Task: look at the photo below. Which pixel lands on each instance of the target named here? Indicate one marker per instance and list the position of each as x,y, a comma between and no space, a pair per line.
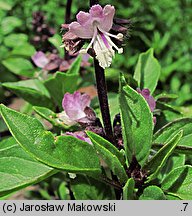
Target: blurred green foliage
166,27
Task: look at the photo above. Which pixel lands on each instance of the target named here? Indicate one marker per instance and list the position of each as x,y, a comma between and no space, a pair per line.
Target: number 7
186,204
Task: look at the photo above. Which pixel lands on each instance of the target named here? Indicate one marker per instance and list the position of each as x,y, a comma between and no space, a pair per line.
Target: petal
138,90
85,101
64,65
40,59
73,106
145,93
103,54
85,32
69,36
107,21
51,66
83,17
65,119
150,100
85,57
79,135
96,11
152,103
90,117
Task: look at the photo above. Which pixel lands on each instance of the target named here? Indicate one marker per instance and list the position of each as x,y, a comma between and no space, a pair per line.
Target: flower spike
95,26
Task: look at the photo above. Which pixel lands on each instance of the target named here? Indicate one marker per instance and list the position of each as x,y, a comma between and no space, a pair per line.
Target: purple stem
103,100
102,94
68,12
67,21
93,2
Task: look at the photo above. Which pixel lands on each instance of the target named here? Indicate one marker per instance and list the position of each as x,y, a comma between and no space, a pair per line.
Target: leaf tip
122,81
180,133
2,106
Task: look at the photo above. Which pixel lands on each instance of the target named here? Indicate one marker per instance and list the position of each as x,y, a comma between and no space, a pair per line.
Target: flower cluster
42,33
77,110
94,26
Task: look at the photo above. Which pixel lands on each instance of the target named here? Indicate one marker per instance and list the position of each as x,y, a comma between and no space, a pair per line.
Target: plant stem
68,12
93,2
103,100
67,21
102,94
112,183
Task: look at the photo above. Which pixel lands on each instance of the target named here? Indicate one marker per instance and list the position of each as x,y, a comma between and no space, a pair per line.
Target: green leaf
85,188
25,49
168,131
46,113
14,40
174,161
75,67
64,152
44,194
156,163
113,104
3,126
32,91
60,84
137,123
110,158
56,41
152,193
166,97
168,69
9,23
106,144
178,183
128,190
112,74
147,71
63,191
164,106
19,66
49,115
171,197
5,5
113,99
18,169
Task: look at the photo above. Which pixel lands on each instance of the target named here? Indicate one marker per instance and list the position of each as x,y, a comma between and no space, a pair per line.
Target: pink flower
75,104
80,135
150,100
40,59
76,109
95,25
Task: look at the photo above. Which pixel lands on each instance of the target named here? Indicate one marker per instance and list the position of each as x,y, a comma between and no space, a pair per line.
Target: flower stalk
68,12
102,93
93,2
103,100
67,21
